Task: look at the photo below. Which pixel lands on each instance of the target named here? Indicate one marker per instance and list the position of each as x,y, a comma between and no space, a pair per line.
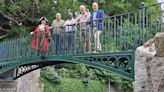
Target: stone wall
29,82
149,70
26,83
8,86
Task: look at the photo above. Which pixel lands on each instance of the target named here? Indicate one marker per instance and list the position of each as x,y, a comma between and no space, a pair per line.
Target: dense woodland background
19,17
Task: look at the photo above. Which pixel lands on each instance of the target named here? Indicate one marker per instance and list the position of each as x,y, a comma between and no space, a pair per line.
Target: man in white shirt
70,33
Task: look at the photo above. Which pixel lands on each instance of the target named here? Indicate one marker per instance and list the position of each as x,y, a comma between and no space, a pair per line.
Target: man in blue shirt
97,20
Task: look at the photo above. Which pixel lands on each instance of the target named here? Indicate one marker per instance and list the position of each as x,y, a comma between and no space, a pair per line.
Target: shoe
88,52
94,51
98,51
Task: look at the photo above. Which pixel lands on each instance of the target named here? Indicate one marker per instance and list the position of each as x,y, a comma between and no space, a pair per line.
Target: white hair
82,6
95,3
58,14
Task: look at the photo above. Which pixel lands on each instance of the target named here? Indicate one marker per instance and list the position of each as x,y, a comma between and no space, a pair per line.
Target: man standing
85,33
58,34
97,20
70,33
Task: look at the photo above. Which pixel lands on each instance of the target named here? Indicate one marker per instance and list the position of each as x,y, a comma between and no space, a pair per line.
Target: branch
12,1
3,36
15,21
23,12
1,28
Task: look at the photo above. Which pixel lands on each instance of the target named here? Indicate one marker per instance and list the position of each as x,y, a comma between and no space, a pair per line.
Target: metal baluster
6,50
121,33
156,21
132,33
147,29
16,49
65,42
1,54
108,35
29,46
128,32
117,25
143,21
26,46
80,40
114,33
21,47
13,49
151,25
55,39
124,34
160,14
4,55
104,37
9,50
140,27
135,33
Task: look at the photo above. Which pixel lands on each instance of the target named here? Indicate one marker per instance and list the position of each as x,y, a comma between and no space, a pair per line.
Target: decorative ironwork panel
121,63
22,70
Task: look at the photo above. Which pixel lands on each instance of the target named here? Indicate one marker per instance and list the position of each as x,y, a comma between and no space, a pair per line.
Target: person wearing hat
41,36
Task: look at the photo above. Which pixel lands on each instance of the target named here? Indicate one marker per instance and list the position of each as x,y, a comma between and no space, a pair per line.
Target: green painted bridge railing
123,33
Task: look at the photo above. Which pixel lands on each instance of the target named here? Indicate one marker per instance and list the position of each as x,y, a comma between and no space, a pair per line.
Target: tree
23,15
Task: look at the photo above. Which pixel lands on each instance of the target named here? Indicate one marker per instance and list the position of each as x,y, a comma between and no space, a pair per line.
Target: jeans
59,44
71,42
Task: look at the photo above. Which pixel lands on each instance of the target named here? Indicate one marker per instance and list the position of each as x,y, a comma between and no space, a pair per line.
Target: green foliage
74,85
27,12
121,7
14,8
70,4
64,73
22,30
83,73
2,5
50,74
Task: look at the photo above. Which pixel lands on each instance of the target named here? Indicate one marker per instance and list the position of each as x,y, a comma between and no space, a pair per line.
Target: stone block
159,44
8,74
8,86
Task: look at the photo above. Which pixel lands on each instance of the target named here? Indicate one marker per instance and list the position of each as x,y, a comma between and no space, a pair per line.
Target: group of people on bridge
88,23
